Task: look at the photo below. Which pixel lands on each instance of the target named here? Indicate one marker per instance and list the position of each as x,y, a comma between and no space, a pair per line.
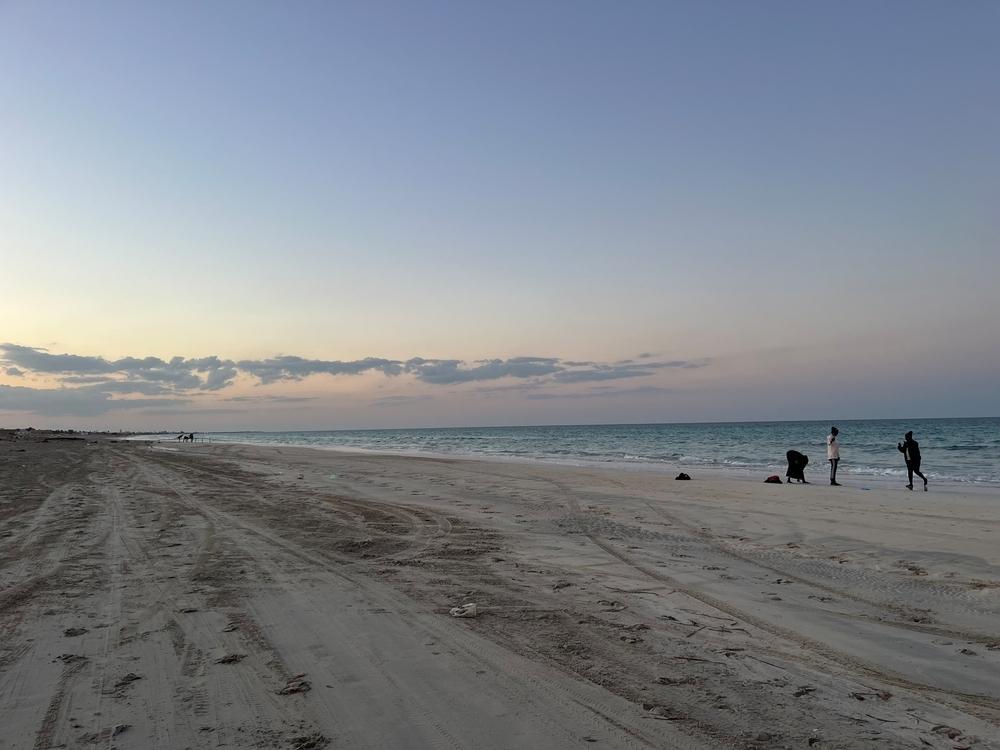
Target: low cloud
270,399
94,385
623,370
602,392
181,412
296,368
399,400
77,402
528,385
451,371
206,373
142,387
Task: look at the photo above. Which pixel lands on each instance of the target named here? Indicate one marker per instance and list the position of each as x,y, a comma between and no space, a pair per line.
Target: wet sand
246,597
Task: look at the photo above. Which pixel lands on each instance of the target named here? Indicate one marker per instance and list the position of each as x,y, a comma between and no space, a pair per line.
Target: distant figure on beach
796,466
182,436
910,449
833,454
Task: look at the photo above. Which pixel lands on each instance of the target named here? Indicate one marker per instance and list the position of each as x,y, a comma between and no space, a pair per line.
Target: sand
167,596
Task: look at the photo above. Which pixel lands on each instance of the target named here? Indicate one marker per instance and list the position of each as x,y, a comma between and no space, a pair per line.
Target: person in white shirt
833,454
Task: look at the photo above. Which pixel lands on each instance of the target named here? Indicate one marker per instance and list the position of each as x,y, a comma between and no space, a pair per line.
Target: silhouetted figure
911,453
833,454
796,466
181,436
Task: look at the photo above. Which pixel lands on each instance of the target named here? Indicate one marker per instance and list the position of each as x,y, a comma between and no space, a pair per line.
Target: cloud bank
93,385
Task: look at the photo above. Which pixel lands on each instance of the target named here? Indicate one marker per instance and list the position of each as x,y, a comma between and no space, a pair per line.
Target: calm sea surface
956,450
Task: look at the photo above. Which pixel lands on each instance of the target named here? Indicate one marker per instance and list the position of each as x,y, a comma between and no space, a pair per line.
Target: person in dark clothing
796,466
910,449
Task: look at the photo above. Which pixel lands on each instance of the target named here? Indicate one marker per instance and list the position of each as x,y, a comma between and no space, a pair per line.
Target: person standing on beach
911,454
833,454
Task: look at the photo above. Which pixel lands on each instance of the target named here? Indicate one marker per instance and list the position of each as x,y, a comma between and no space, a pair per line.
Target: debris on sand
127,680
231,659
313,741
231,627
674,680
73,632
188,610
662,712
102,737
805,690
950,732
611,605
466,610
295,684
72,658
882,695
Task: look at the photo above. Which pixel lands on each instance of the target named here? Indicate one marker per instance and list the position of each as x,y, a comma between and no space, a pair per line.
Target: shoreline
818,476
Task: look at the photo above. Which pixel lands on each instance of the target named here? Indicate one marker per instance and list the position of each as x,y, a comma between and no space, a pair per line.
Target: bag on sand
682,475
773,479
466,610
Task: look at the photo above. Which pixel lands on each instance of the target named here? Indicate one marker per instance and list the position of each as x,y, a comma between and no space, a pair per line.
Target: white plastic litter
466,610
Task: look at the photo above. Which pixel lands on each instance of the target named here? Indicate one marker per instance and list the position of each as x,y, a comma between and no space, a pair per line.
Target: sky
322,215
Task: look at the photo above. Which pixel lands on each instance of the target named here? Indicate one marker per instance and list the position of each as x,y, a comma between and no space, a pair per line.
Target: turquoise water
954,450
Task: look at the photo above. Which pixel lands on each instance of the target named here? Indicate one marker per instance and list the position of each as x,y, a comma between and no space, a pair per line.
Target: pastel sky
323,215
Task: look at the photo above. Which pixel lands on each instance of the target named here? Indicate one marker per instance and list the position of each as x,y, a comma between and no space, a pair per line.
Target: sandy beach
167,596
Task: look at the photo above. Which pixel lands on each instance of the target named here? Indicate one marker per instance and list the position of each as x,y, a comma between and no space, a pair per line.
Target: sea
953,450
